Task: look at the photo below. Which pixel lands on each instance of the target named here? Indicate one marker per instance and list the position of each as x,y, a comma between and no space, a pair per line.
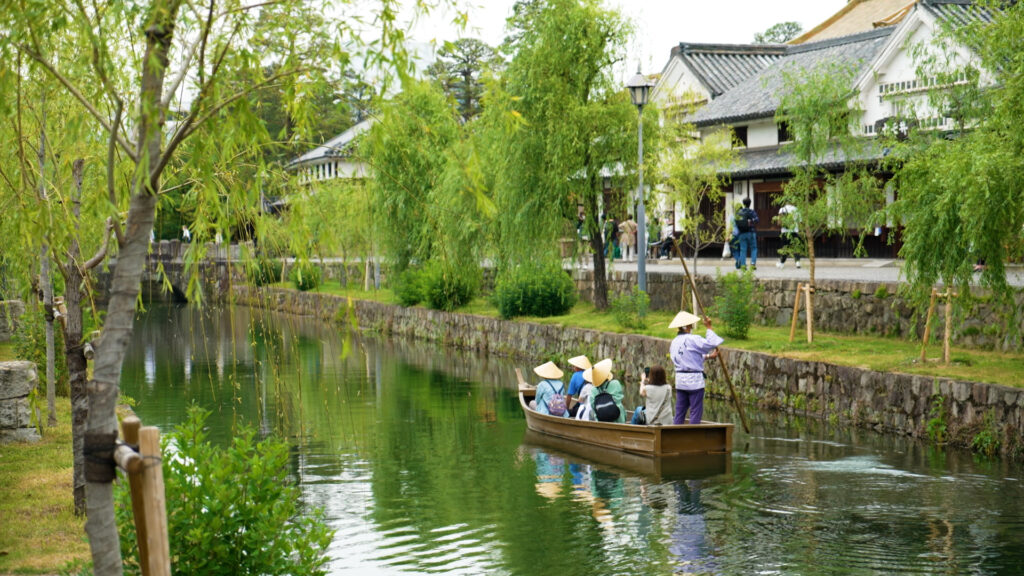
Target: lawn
39,533
884,354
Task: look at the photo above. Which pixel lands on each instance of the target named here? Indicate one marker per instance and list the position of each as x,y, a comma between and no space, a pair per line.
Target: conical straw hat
581,362
682,319
600,373
548,370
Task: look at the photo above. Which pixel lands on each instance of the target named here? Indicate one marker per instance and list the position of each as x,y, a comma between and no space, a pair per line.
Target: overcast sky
660,24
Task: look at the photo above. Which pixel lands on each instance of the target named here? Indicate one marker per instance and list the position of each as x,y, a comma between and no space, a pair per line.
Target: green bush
447,288
263,271
230,510
305,276
630,309
410,287
987,440
535,291
936,425
881,292
738,303
29,340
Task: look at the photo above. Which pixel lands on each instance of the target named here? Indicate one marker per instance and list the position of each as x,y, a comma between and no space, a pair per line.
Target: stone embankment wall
896,403
10,311
839,306
17,380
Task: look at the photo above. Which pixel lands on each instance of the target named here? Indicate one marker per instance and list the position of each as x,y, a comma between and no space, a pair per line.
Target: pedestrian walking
787,219
627,238
746,225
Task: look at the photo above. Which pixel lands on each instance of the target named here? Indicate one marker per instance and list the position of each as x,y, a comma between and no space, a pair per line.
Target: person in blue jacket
576,382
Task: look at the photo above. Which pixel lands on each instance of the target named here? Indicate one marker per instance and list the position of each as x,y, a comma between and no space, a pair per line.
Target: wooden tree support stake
721,359
928,324
809,297
146,480
796,311
947,335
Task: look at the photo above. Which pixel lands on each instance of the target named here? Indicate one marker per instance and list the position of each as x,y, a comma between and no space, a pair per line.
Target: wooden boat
676,440
690,467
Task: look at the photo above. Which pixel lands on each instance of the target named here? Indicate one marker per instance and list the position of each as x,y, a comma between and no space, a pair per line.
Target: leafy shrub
305,276
535,291
987,441
230,510
448,288
881,292
738,303
263,271
630,309
29,340
856,294
936,426
410,287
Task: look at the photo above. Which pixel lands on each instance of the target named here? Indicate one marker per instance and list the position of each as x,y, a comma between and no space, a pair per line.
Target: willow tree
159,74
819,108
577,121
962,190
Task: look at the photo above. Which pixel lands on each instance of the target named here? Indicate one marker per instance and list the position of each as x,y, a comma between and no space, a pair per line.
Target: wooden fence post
796,311
155,502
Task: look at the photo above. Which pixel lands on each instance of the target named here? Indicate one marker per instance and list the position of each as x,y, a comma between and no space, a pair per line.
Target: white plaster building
334,158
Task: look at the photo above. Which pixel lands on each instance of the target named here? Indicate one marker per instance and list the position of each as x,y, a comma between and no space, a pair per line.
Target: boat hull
675,440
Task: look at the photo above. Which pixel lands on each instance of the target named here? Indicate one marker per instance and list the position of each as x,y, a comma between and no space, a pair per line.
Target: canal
421,459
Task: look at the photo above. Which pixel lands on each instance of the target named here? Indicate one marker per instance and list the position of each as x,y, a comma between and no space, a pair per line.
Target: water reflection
420,457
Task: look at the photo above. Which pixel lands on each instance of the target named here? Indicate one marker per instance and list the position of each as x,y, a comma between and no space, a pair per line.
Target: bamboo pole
721,360
796,311
810,312
928,325
130,432
154,502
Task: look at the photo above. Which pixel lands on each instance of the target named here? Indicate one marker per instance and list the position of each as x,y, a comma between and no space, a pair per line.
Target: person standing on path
788,222
688,352
627,238
746,225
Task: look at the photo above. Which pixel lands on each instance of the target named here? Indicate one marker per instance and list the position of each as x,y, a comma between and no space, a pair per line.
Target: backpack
744,222
605,408
556,404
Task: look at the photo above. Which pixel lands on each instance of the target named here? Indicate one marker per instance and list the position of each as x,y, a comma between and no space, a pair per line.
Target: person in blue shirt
576,382
548,387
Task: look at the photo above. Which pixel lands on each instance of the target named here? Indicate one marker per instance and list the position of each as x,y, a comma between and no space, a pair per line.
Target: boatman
688,352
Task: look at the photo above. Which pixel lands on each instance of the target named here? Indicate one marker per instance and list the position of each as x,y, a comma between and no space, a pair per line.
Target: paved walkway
854,269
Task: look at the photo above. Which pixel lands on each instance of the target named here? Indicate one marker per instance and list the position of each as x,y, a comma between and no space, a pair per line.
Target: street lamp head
639,89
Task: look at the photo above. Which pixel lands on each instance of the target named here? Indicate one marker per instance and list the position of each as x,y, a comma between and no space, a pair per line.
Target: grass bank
880,353
39,533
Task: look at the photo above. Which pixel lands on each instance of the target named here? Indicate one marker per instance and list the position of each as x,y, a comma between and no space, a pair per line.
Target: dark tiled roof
779,161
720,67
758,95
957,13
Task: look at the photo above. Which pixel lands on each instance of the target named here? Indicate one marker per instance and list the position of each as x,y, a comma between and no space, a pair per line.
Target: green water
421,459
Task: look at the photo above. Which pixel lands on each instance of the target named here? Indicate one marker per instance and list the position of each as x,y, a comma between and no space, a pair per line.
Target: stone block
19,435
17,379
15,414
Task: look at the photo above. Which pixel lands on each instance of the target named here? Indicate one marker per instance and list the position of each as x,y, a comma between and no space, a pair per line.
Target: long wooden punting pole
721,360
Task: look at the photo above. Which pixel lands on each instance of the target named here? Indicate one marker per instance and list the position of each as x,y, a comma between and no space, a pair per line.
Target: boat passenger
600,376
688,352
548,388
658,409
576,382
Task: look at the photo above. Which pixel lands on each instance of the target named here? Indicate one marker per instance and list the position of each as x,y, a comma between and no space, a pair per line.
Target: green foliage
779,33
738,302
630,310
534,291
231,510
447,288
987,440
936,425
459,68
263,271
410,286
821,116
961,191
881,292
305,275
29,340
856,294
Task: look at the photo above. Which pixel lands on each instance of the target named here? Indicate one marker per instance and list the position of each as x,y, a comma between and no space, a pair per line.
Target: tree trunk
47,285
73,351
597,245
101,432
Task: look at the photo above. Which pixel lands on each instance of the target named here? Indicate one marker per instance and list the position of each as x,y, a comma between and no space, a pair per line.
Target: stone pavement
849,269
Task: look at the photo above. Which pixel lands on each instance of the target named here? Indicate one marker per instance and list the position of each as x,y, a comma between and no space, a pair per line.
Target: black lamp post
639,91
